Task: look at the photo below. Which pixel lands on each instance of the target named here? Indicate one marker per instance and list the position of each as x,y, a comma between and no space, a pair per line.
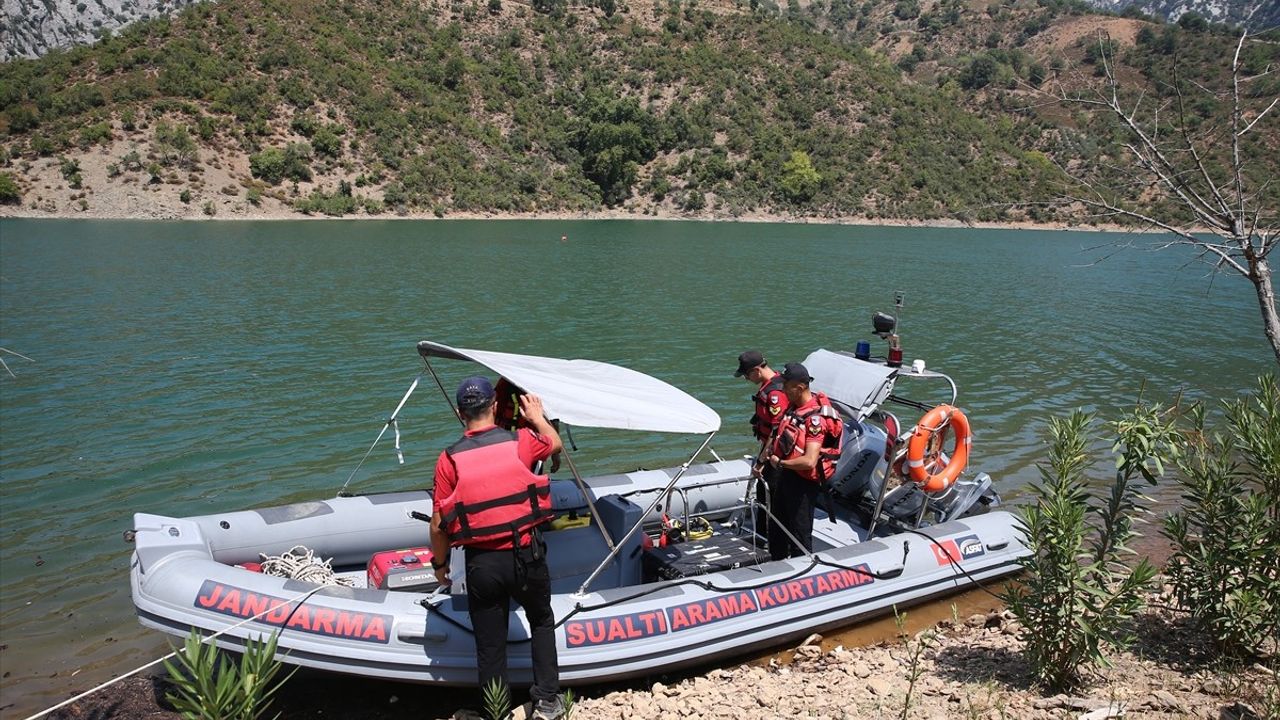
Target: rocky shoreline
217,192
960,668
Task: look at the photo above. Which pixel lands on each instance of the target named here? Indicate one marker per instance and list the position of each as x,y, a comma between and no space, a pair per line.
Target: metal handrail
591,505
636,528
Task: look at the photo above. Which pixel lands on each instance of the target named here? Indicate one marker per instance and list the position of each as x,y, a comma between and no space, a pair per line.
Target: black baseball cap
749,361
474,392
795,372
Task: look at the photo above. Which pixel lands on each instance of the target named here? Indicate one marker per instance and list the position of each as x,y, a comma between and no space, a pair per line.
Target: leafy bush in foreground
209,686
1225,568
1078,596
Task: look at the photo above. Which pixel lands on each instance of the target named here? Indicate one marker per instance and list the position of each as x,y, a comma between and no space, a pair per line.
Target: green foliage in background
800,181
208,685
1078,596
563,109
275,164
9,192
579,106
1225,568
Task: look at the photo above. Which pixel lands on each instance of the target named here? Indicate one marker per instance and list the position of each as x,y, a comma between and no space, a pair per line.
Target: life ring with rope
924,449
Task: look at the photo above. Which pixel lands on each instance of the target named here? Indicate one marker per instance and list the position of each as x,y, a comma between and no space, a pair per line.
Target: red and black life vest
507,413
762,421
495,497
787,445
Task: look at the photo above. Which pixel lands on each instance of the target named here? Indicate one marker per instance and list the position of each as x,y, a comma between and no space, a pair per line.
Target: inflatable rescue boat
651,570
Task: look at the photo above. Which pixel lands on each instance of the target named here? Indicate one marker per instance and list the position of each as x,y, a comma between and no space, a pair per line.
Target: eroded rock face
32,28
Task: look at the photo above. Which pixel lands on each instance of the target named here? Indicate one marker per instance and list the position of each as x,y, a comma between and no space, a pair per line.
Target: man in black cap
488,501
770,404
770,400
804,452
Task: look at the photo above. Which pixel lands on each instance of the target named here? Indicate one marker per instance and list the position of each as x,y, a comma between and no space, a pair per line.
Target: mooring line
300,598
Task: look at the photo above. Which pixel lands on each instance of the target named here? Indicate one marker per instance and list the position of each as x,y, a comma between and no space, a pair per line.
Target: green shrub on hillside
336,204
800,181
174,145
325,141
275,164
614,135
9,193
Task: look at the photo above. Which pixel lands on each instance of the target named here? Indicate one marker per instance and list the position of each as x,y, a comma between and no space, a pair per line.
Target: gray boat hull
183,575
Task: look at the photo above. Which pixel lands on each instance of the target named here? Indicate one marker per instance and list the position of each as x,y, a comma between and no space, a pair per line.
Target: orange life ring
921,460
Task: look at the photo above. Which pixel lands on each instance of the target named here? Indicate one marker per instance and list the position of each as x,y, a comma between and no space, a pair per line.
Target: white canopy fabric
858,384
587,393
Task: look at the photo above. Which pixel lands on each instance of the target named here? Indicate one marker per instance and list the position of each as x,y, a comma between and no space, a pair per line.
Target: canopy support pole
636,528
591,504
443,392
390,421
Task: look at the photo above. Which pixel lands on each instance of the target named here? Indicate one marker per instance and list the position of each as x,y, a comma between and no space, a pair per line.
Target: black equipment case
699,557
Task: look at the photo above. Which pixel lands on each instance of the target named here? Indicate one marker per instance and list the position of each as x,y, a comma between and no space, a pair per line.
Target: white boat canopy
859,385
587,393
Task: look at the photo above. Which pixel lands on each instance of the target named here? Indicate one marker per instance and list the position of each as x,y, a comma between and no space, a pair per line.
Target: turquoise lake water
192,367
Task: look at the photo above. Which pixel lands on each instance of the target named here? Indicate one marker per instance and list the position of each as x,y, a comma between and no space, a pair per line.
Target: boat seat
574,553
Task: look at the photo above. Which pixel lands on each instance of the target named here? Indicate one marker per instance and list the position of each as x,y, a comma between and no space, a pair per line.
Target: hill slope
342,107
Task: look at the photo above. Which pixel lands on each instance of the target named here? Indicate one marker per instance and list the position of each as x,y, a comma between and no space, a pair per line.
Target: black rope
814,562
909,403
955,563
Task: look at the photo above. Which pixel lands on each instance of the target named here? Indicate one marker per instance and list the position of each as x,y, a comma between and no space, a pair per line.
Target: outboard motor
861,456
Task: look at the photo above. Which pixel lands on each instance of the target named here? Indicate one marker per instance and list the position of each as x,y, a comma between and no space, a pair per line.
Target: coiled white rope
300,563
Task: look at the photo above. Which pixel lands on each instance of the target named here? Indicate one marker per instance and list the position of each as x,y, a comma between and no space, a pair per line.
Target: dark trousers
793,501
494,579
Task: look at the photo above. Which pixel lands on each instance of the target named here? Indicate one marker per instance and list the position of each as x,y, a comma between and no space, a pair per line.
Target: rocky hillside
1230,12
878,109
31,29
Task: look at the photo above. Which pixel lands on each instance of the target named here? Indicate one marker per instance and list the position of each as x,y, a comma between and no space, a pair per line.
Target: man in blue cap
488,501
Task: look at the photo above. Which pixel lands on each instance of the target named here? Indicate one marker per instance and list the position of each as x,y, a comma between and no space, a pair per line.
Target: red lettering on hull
331,622
613,629
720,607
807,588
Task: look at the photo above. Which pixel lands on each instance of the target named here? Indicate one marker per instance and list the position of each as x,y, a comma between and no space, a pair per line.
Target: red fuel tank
408,569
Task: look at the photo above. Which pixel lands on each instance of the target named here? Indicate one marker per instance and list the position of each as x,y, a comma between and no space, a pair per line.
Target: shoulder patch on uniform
773,399
815,422
775,410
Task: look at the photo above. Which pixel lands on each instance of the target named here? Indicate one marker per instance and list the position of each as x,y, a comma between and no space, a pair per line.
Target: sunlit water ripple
185,368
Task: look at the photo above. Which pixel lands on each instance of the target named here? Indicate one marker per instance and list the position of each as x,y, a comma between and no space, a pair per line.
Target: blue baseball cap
474,392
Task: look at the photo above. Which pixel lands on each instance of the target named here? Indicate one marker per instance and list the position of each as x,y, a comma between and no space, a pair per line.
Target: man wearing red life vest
507,414
488,501
770,400
804,451
770,404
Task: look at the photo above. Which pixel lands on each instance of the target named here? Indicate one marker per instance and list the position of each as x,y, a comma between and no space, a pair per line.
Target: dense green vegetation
496,107
1083,589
